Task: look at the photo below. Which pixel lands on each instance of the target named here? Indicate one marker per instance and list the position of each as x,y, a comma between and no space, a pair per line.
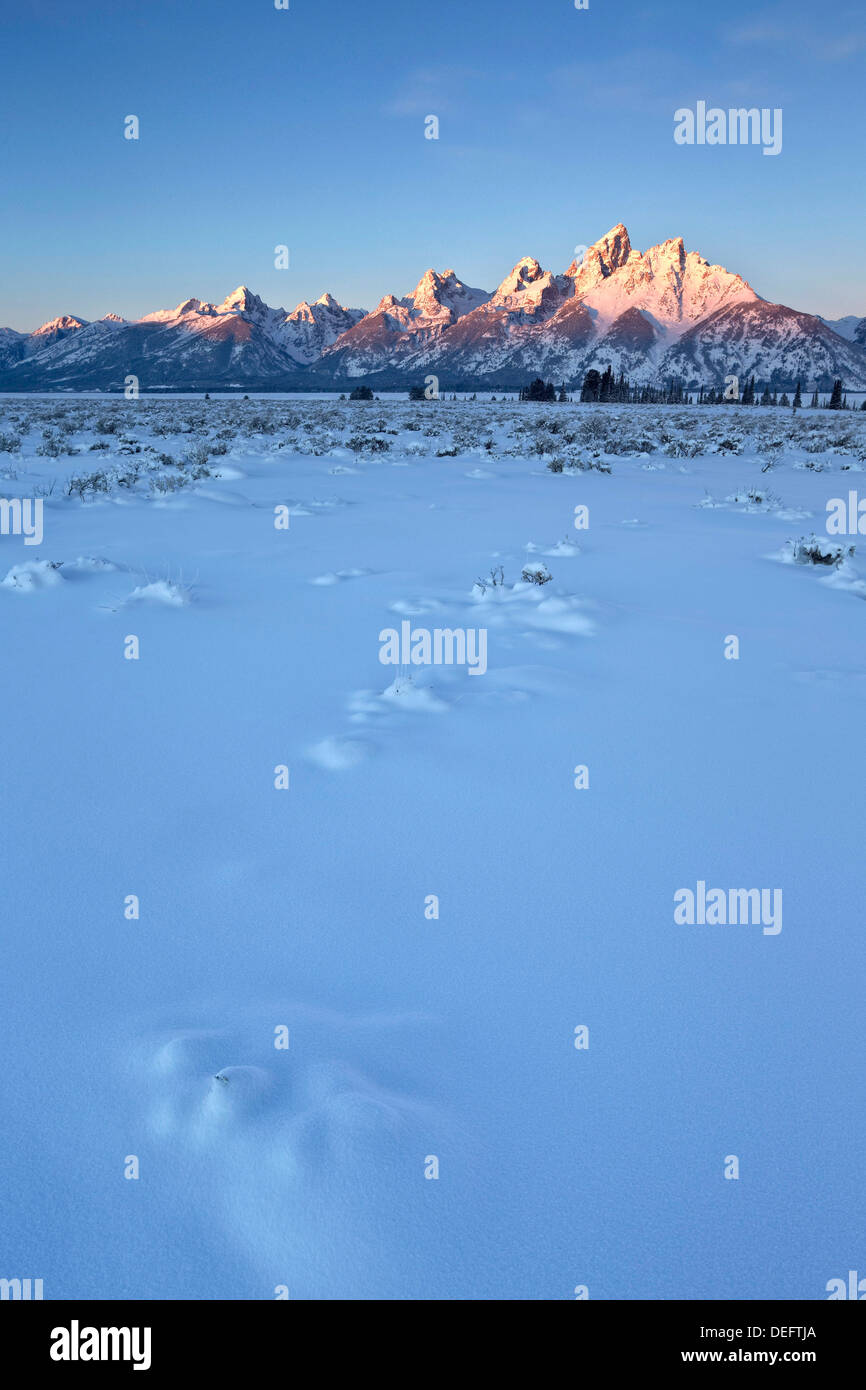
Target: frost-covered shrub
590,465
368,444
129,476
88,484
495,580
683,448
168,482
53,445
197,456
260,424
536,574
814,551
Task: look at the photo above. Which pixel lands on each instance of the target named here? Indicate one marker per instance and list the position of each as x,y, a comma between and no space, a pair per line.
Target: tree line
606,387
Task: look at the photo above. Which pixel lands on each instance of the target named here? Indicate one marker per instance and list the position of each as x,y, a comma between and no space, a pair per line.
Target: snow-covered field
414,1037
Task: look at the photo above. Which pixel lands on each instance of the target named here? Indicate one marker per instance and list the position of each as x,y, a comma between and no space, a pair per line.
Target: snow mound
338,754
89,564
161,591
332,577
420,699
32,576
528,605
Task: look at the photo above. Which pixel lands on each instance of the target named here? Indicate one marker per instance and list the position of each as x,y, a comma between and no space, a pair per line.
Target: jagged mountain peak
600,260
526,272
443,296
64,323
242,300
675,288
190,306
325,304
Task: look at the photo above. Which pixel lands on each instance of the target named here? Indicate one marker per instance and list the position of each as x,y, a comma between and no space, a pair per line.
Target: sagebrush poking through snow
536,574
811,550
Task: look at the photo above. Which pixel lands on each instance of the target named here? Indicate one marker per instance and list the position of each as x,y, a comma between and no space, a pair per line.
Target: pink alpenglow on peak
529,290
651,314
443,298
66,323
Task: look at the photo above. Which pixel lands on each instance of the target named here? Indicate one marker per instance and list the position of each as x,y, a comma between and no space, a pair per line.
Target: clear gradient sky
306,127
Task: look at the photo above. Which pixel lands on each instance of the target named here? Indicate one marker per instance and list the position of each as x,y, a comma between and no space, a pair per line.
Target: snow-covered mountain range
657,314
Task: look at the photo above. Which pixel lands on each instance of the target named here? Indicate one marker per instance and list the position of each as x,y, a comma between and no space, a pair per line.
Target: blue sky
305,127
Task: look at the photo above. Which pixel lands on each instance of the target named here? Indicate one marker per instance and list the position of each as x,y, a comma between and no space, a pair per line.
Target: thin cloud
780,30
439,90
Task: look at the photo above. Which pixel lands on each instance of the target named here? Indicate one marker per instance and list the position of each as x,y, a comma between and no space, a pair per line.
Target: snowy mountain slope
310,329
675,288
665,311
388,335
493,336
15,346
619,307
847,327
302,335
771,342
197,344
533,322
12,345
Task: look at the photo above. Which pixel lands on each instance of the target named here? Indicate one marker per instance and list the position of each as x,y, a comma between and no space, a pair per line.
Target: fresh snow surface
412,1038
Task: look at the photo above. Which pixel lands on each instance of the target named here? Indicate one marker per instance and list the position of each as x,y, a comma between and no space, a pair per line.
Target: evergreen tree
538,390
591,386
813,404
784,400
798,399
836,397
